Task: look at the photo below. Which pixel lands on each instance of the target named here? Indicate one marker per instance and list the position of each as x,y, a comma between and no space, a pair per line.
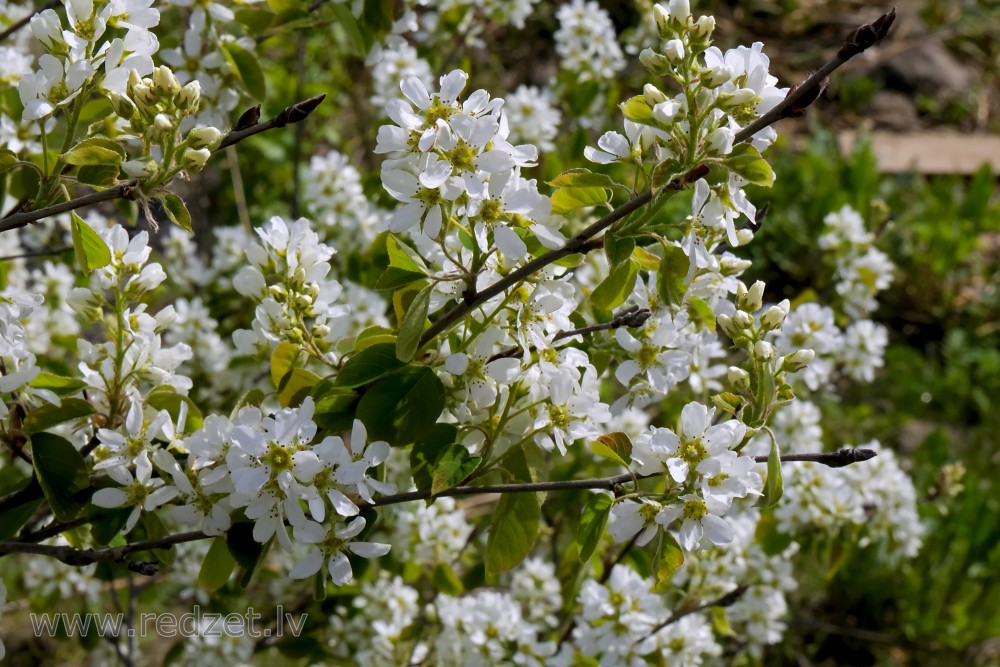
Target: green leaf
247,69
13,519
701,313
177,211
374,335
217,566
96,150
673,271
412,327
46,416
284,358
617,249
8,159
165,398
258,20
99,175
91,250
515,523
615,446
637,110
394,277
61,472
426,451
592,523
745,161
669,557
369,365
402,256
57,384
773,484
565,200
663,173
584,178
334,406
445,580
452,467
614,289
245,550
403,405
296,386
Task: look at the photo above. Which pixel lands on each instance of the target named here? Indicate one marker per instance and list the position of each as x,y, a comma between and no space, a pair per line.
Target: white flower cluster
862,271
337,205
878,500
700,459
533,117
16,360
296,300
451,164
586,41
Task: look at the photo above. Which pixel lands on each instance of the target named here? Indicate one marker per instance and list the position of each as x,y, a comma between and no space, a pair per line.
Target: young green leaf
412,327
614,289
61,472
773,484
247,69
584,178
512,532
217,566
565,200
91,250
453,465
592,523
615,446
96,150
177,211
673,272
369,365
745,161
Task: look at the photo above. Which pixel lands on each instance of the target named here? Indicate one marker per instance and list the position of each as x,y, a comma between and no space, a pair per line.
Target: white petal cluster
586,41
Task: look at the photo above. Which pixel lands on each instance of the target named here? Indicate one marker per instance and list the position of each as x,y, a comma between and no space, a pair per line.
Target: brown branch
726,600
39,253
81,557
795,102
631,317
293,114
14,27
838,459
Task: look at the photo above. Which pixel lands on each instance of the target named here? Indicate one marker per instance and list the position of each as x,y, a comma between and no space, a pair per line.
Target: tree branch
81,557
838,459
795,102
293,114
631,317
725,601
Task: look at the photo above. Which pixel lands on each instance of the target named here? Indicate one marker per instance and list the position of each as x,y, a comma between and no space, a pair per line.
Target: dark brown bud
867,35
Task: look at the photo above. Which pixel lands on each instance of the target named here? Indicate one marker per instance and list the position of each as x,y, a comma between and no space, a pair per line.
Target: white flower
329,546
141,491
630,518
698,521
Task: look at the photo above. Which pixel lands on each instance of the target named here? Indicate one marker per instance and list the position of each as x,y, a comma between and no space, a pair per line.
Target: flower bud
750,299
662,17
657,64
278,293
204,137
715,77
735,98
163,123
320,331
666,112
731,266
680,11
195,160
141,168
303,301
720,141
123,106
742,320
797,360
727,326
703,28
743,237
189,98
165,83
739,378
763,350
673,49
143,96
653,95
774,316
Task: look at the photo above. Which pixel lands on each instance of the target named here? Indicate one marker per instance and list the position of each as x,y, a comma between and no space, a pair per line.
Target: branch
81,557
725,601
795,102
14,27
631,317
293,114
39,253
838,459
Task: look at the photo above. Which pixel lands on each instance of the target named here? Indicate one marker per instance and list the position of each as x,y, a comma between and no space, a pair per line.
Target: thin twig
631,317
293,114
794,103
80,557
726,600
14,27
39,253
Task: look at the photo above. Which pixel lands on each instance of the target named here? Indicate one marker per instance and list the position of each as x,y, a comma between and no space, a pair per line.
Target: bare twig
725,601
631,317
293,114
80,557
39,253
